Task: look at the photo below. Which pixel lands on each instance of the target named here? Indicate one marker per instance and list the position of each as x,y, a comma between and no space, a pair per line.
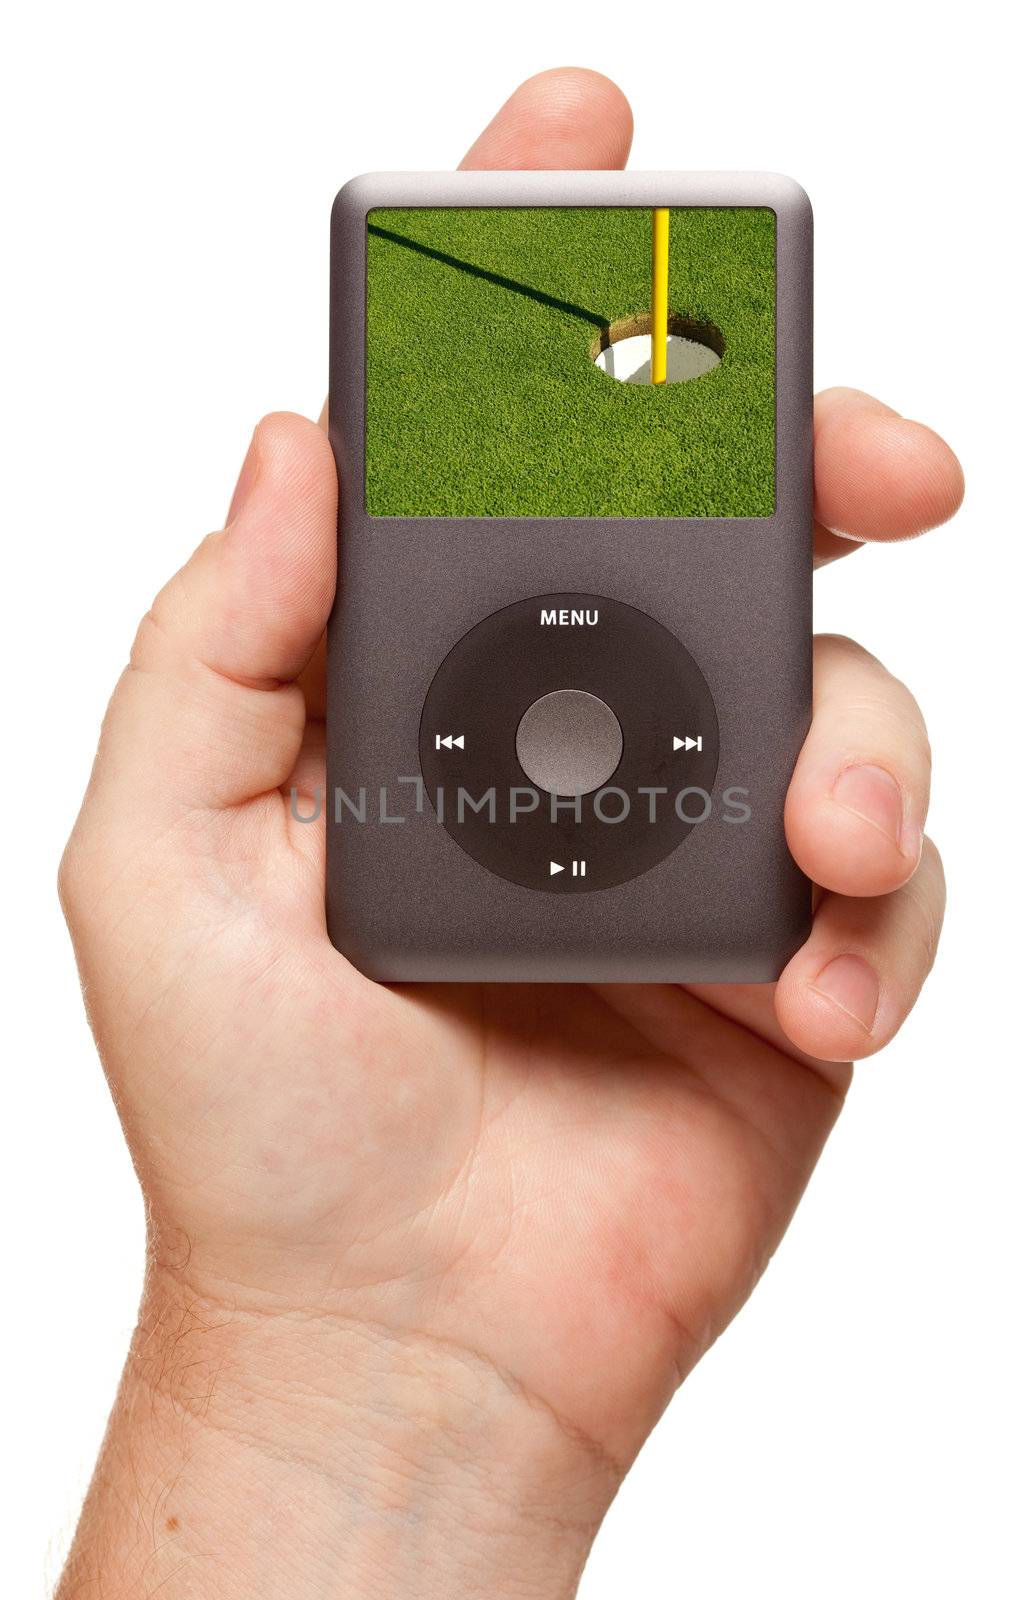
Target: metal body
404,900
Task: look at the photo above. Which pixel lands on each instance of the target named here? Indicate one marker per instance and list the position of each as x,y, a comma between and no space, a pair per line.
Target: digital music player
569,662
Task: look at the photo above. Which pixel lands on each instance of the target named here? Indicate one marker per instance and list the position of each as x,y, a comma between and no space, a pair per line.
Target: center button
569,742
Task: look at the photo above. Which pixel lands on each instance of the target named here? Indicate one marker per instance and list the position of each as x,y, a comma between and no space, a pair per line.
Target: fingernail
871,793
850,983
248,473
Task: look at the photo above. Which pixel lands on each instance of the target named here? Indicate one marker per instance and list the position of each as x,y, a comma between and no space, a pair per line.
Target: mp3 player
569,662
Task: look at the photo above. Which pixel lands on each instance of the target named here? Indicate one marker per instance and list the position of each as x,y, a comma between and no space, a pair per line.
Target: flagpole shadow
496,278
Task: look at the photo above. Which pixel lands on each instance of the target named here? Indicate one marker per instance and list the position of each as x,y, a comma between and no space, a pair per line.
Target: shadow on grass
491,277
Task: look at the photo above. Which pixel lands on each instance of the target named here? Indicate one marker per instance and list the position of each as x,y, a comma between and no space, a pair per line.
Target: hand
426,1264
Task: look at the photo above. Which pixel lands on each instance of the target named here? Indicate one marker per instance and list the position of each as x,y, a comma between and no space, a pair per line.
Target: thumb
208,714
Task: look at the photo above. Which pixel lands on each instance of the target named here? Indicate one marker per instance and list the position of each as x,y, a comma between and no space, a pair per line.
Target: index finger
878,476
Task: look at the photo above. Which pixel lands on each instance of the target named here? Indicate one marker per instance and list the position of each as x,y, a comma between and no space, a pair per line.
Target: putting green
483,397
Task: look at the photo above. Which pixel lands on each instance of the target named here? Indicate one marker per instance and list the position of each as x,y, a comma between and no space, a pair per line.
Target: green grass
482,397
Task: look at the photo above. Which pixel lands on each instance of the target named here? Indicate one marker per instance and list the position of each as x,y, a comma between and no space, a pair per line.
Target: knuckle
839,649
870,710
150,639
925,896
166,625
73,875
933,872
910,713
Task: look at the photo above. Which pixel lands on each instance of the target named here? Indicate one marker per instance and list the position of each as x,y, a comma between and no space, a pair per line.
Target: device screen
511,368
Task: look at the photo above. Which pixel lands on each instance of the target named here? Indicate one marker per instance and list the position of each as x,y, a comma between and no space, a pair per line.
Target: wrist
287,1453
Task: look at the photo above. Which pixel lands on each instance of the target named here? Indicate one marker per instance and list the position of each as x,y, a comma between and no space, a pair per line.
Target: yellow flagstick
658,347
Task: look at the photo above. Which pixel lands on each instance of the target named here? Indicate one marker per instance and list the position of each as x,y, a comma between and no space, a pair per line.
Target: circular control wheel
569,742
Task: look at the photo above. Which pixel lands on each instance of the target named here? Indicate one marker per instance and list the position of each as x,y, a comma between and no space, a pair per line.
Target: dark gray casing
404,901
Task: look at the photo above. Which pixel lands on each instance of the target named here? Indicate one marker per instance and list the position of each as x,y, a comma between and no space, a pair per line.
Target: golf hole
623,351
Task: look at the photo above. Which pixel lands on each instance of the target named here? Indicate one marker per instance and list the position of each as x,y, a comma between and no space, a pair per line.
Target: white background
863,1429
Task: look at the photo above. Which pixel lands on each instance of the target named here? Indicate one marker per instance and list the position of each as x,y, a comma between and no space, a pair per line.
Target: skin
426,1264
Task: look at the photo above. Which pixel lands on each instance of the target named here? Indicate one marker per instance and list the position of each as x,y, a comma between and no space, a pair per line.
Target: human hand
439,1256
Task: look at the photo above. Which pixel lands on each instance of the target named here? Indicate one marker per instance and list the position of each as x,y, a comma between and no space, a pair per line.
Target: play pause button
577,869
